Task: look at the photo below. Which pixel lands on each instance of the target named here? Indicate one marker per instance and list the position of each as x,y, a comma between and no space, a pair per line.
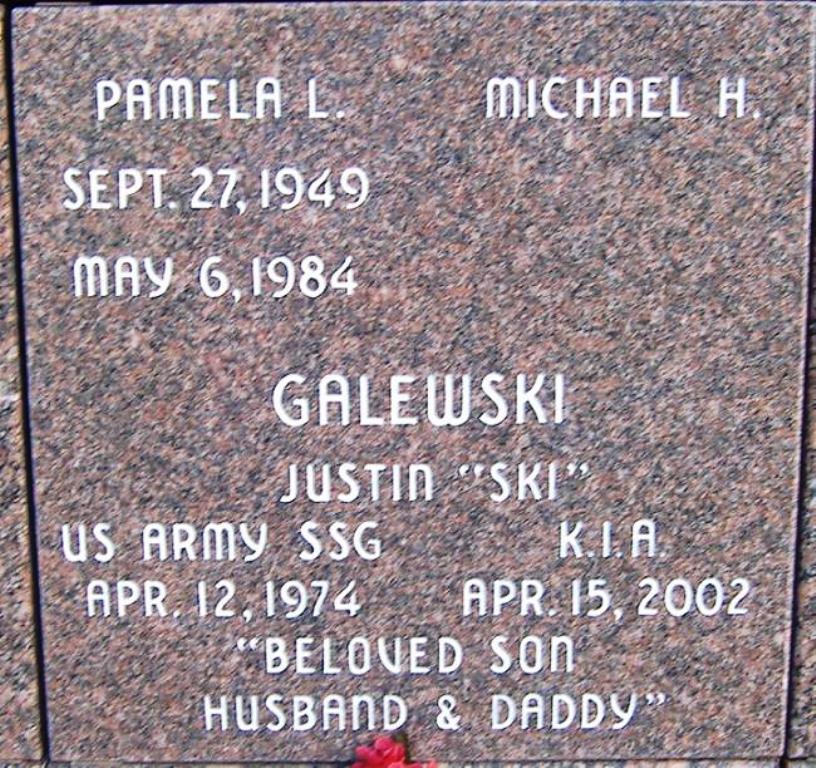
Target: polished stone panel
802,721
651,268
19,710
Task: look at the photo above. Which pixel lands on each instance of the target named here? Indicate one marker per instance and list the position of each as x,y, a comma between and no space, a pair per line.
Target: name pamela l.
206,98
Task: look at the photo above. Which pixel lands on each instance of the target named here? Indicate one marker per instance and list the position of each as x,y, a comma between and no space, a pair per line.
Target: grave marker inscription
425,368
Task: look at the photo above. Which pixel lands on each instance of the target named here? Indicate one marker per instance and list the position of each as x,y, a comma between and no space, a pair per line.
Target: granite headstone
431,368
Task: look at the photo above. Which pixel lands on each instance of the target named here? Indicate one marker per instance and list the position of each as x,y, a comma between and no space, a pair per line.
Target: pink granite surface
525,764
19,711
659,264
802,725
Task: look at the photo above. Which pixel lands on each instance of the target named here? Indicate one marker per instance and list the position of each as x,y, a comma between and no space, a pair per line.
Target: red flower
385,753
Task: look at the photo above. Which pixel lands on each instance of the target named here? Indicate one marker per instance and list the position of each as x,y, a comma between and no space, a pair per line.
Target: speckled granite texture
659,264
526,764
803,715
19,711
